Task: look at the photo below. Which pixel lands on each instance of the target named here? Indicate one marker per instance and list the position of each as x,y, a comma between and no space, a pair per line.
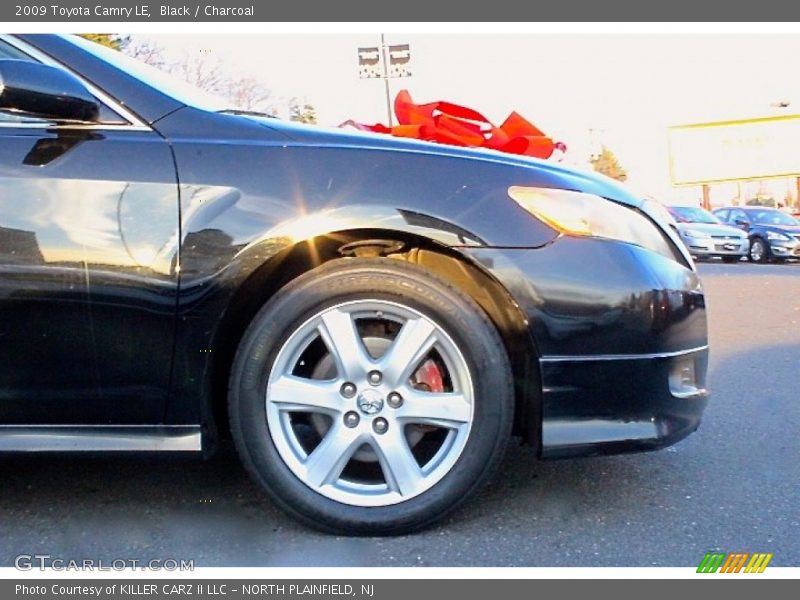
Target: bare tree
247,93
203,71
207,73
146,51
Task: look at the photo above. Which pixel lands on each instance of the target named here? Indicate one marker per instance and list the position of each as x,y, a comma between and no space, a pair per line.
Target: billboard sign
735,150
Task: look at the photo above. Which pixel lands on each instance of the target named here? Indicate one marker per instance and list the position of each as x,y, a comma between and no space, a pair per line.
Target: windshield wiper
246,113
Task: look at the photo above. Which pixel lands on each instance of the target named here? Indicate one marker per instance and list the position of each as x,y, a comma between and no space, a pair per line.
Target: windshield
156,78
772,217
691,214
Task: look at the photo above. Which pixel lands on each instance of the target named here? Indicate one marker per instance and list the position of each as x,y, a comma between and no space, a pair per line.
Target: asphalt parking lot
733,486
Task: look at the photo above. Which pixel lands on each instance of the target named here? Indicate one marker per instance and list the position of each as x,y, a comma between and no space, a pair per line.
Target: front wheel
370,397
759,251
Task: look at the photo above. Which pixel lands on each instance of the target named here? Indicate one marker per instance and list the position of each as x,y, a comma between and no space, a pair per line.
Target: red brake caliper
429,377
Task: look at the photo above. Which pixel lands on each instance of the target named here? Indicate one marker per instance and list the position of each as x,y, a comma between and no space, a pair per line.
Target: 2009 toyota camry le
371,319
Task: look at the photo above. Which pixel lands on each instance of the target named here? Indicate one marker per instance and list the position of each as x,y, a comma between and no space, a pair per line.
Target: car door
88,277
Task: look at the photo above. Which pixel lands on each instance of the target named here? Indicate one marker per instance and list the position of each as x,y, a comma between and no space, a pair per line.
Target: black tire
403,284
762,252
731,259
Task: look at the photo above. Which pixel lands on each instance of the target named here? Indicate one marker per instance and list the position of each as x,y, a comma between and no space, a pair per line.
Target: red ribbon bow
456,125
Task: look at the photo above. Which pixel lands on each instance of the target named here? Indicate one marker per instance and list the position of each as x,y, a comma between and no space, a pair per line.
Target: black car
774,235
370,319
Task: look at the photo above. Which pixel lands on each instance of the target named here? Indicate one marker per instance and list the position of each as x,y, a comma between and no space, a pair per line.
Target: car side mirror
45,91
742,223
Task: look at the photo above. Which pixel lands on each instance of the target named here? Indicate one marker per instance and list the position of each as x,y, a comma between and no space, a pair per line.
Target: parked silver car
707,237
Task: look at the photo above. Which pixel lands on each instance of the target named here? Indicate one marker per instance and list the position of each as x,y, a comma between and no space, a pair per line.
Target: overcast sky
626,88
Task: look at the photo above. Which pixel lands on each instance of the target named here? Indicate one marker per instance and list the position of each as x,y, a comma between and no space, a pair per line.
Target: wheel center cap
370,402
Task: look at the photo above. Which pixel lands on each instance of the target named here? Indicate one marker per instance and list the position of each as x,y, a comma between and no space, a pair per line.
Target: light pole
386,81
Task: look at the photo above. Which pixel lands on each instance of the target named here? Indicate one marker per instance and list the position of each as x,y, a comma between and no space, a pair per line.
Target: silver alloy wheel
385,413
757,250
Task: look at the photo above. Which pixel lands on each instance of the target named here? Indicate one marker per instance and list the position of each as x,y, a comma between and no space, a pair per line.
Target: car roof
746,208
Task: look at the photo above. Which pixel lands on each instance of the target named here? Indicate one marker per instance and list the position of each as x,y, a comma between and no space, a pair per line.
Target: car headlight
773,235
581,214
694,233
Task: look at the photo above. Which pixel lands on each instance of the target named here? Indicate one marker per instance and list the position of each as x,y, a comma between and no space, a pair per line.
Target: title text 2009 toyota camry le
371,319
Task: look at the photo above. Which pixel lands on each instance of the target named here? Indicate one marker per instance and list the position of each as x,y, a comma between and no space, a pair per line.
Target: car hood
712,229
553,174
787,229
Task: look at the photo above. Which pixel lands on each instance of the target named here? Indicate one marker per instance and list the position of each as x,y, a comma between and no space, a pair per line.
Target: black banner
367,589
174,11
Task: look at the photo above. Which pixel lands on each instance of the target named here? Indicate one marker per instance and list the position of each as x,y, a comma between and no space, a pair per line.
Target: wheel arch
447,263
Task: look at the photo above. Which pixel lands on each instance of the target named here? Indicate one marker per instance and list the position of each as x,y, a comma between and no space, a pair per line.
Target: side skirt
100,438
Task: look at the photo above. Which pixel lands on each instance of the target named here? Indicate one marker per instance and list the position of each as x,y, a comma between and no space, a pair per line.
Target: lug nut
380,425
394,400
375,377
348,390
351,419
